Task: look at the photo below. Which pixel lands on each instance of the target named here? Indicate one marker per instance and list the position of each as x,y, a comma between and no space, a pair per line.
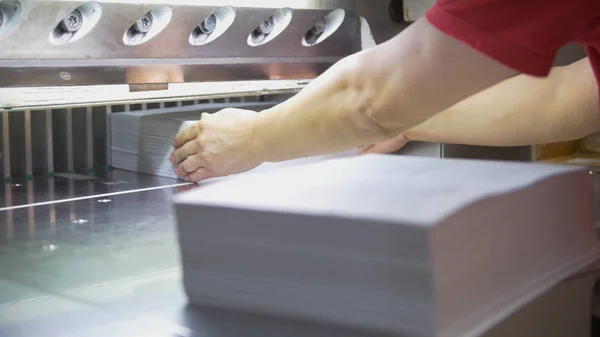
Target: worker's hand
387,146
219,144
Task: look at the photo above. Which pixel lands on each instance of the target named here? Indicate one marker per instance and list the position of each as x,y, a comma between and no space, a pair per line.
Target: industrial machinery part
144,24
72,22
78,62
313,34
209,24
130,47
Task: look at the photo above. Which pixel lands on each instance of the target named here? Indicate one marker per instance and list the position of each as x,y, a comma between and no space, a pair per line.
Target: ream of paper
423,192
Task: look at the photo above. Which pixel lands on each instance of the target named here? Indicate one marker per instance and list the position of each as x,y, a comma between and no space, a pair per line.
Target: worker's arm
375,94
365,98
522,110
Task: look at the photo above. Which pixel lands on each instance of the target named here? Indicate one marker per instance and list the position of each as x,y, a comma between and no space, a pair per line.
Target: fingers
179,173
188,134
199,175
363,149
186,187
179,155
387,146
189,165
384,147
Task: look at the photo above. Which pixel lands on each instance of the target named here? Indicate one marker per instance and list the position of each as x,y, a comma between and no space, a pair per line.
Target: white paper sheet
425,189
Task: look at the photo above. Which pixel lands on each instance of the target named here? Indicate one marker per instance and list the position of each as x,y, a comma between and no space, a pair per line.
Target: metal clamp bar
69,130
89,139
108,138
28,150
6,145
49,145
69,97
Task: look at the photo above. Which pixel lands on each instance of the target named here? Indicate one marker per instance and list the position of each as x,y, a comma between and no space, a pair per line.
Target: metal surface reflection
99,242
45,191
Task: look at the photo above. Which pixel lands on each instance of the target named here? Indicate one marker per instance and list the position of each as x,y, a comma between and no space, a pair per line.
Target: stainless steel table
82,256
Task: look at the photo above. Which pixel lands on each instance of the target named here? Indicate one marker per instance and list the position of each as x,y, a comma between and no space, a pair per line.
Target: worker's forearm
327,116
522,110
375,94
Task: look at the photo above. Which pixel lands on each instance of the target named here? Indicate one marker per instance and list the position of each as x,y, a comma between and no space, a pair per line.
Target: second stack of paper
142,140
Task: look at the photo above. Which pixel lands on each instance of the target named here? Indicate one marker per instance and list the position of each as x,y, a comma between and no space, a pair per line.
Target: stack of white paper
142,141
417,246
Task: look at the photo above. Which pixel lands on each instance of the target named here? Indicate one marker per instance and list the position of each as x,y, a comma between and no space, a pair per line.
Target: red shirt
522,34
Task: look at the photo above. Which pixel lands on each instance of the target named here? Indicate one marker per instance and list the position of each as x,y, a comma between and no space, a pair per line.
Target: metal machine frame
107,59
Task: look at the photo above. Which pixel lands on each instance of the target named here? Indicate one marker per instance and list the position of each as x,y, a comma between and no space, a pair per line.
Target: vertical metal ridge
6,144
28,159
70,166
89,138
49,143
108,135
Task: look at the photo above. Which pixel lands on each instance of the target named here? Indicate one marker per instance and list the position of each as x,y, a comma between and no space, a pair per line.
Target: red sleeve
522,34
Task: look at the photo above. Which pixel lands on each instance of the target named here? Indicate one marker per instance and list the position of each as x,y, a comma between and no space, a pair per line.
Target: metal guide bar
155,79
28,150
69,132
49,144
6,145
89,140
100,95
108,139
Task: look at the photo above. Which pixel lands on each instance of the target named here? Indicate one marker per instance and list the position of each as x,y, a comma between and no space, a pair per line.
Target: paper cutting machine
87,249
